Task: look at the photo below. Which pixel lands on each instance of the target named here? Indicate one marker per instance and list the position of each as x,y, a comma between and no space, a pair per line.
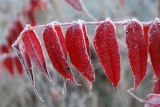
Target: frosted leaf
107,50
154,100
137,51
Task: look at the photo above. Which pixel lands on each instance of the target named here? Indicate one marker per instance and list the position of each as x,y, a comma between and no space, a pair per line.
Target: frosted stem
119,23
136,97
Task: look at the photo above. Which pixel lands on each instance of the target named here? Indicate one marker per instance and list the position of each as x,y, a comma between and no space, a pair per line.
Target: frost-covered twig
136,97
119,23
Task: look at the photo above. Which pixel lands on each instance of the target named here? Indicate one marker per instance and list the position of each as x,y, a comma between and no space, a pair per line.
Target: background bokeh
17,92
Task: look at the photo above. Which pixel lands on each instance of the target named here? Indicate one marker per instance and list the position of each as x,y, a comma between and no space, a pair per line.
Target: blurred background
16,91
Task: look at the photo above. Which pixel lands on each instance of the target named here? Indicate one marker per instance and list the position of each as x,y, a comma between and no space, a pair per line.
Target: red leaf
18,65
41,4
9,40
75,42
8,64
3,49
154,47
61,38
106,47
32,18
13,34
156,87
29,12
25,61
34,50
76,4
137,51
56,53
145,30
18,25
154,100
86,40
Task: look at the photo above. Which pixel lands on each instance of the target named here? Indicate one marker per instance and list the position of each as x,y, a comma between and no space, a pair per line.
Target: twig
136,97
119,23
139,99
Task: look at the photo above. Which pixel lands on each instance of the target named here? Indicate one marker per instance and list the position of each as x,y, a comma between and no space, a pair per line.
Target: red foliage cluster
28,13
57,52
76,43
140,41
10,61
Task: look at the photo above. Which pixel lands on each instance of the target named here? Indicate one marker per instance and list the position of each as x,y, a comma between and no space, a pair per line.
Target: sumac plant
142,38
